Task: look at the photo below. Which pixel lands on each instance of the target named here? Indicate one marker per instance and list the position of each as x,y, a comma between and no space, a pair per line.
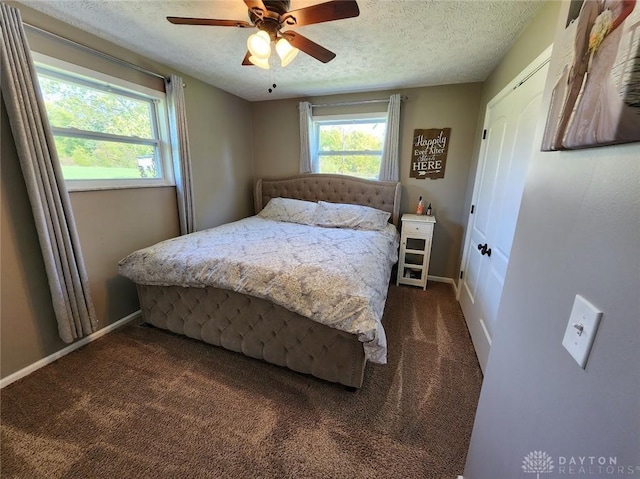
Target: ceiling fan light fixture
270,16
260,62
285,51
259,44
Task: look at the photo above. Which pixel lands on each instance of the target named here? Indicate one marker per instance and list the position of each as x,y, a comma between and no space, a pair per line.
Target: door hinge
484,134
461,274
473,207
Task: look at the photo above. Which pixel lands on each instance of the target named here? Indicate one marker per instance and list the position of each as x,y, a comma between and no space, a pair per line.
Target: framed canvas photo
596,95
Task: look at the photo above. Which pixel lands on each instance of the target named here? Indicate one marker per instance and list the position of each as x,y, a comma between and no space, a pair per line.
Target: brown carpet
142,402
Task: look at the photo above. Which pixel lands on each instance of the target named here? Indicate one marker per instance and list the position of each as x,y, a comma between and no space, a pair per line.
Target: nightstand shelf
415,250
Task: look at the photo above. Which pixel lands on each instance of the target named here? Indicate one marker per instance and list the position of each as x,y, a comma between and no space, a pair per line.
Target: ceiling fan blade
245,60
209,21
323,12
255,4
310,48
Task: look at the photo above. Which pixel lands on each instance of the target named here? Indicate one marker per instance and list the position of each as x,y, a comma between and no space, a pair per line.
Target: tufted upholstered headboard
383,195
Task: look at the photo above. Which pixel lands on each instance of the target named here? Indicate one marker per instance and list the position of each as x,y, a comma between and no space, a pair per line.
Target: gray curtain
390,164
181,155
45,184
307,138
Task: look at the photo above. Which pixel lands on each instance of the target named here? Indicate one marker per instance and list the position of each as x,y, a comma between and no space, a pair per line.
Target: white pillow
289,210
339,215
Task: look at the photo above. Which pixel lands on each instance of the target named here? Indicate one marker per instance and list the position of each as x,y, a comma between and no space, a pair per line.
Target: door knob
484,250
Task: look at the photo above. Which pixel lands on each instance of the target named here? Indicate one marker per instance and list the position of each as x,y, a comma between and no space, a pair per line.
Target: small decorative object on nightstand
415,249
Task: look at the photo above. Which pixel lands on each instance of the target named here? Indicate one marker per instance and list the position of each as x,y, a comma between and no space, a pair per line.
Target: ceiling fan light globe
260,62
285,51
259,44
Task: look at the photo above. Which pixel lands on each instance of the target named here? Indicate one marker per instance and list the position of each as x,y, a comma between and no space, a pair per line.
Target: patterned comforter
335,276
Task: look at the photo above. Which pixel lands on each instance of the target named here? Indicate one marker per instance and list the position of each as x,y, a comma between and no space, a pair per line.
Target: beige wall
222,154
532,42
28,331
135,218
113,223
277,151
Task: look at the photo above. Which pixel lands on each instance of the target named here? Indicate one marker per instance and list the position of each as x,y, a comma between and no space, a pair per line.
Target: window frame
66,71
344,119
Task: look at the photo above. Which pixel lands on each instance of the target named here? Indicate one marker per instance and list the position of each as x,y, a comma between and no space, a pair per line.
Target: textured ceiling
392,44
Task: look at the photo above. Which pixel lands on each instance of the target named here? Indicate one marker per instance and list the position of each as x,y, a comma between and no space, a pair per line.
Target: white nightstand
415,249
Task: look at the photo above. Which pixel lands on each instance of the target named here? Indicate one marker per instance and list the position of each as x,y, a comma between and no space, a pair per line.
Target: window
350,145
108,133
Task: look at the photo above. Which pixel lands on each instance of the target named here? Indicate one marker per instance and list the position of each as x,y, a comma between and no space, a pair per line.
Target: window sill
90,185
368,178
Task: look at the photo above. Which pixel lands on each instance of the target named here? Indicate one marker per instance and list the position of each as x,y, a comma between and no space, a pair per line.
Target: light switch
581,330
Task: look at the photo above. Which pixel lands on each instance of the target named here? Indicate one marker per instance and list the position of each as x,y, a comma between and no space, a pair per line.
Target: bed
224,303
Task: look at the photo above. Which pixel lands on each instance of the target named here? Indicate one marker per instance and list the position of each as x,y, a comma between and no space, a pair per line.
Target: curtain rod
362,102
93,51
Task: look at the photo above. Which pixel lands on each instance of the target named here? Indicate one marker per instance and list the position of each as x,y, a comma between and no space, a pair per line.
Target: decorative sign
429,156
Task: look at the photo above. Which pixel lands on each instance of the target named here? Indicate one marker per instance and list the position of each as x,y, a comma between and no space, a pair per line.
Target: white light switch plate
581,330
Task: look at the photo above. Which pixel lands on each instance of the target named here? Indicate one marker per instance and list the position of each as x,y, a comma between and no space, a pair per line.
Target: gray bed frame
258,328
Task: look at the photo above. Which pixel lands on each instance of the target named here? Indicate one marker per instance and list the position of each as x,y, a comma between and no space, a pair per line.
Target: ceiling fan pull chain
272,81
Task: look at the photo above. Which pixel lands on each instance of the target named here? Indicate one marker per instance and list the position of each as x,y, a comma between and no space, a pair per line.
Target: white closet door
510,130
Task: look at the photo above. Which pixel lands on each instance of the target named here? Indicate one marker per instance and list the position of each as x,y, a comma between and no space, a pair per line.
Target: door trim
540,61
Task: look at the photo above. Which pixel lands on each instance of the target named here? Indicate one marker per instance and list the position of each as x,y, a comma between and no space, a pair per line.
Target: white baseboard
442,279
63,352
460,477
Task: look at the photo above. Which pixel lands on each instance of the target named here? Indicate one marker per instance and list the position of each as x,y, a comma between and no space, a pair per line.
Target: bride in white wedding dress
601,115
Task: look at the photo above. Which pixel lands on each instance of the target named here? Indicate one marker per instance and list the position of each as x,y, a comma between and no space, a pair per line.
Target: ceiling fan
269,17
